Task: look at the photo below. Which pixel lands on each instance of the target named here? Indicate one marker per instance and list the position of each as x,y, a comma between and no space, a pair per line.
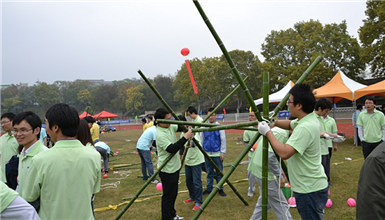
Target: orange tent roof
84,114
105,114
339,86
374,89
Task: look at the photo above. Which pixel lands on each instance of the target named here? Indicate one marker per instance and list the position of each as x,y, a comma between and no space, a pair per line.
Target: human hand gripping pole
263,128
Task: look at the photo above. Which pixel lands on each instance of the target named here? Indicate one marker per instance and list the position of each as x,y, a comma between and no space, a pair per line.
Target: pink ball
329,203
159,186
351,202
291,201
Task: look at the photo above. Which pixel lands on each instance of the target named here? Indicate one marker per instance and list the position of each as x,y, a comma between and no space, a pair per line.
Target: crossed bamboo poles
237,126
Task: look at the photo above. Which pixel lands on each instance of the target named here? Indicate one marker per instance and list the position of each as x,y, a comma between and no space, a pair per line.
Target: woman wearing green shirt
168,144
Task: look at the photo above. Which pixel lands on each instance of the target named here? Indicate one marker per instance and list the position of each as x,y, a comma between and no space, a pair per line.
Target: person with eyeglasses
8,143
26,128
302,151
66,176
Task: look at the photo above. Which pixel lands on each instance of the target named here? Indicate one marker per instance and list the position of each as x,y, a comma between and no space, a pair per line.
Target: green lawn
124,182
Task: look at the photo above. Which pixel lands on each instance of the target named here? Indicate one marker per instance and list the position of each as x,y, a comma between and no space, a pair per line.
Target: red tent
84,114
105,114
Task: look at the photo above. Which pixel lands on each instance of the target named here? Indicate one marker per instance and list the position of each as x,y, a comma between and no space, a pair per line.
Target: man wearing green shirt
247,136
276,179
66,176
26,128
8,143
302,152
168,144
371,127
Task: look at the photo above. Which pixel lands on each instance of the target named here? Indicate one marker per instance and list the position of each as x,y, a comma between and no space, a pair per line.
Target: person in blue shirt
143,146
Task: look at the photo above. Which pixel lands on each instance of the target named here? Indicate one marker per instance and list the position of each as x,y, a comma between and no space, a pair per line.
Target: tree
46,95
289,52
372,36
101,97
134,102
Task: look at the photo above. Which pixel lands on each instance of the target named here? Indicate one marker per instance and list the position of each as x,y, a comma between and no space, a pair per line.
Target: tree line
287,54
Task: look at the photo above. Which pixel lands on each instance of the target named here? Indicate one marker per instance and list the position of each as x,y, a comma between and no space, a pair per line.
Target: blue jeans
211,174
194,182
106,157
311,205
145,158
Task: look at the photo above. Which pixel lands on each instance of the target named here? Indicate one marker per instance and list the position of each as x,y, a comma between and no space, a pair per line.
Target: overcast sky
68,40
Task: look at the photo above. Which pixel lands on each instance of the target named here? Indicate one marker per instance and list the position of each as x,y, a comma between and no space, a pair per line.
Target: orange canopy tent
84,114
374,89
105,114
339,87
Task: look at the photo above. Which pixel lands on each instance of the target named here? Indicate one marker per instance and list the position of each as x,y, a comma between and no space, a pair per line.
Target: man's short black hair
144,120
65,117
90,119
211,110
371,99
303,95
182,118
149,117
160,113
8,115
359,107
323,103
30,117
192,109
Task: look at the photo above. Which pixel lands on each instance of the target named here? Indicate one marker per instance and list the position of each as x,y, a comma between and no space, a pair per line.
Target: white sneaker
178,218
250,193
155,181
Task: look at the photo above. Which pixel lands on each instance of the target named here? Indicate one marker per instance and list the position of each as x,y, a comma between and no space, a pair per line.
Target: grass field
124,181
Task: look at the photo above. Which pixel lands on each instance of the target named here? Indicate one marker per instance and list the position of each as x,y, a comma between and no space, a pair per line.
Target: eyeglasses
21,131
5,122
288,102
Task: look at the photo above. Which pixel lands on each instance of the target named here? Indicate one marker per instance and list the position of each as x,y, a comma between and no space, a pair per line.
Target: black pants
326,164
367,148
330,152
170,192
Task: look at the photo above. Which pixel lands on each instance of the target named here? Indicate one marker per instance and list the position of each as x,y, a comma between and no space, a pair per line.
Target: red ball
185,51
105,176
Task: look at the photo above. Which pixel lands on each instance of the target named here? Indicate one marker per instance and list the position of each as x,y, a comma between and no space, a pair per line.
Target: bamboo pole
265,147
229,60
169,158
213,127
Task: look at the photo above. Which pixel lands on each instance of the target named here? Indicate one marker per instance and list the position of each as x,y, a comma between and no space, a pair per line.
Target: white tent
277,96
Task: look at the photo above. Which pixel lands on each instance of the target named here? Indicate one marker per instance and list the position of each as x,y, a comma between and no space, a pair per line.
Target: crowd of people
31,172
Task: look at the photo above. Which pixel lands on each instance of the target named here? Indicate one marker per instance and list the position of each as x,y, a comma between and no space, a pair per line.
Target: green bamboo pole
196,142
169,158
265,161
229,60
212,127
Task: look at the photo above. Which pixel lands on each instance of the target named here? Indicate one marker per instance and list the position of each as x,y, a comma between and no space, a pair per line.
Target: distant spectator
8,143
357,140
94,128
149,123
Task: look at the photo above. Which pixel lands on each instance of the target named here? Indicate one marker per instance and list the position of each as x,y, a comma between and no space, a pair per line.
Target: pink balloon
351,202
329,203
159,186
292,201
185,51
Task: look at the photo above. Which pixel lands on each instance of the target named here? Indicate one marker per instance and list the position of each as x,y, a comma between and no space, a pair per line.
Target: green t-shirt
323,142
255,165
8,148
331,127
247,136
25,163
64,177
371,125
194,155
7,196
165,137
305,170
